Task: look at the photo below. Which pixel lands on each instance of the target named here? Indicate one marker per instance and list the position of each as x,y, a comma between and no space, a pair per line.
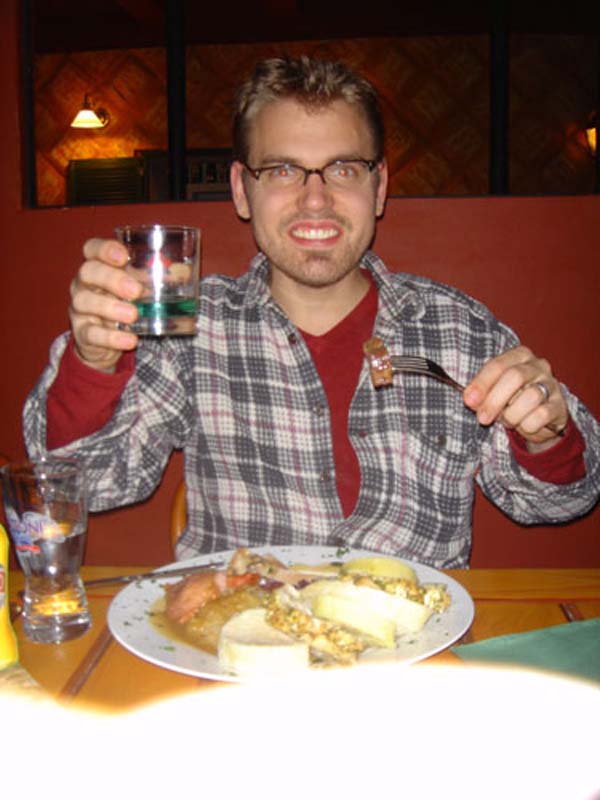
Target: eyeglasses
340,174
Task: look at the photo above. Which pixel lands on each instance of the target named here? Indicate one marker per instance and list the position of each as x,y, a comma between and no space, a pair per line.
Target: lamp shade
87,117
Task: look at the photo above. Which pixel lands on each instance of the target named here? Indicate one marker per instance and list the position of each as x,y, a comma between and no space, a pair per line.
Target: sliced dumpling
376,614
250,647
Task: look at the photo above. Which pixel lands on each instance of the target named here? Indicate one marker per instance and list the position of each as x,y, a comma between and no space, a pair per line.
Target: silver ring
543,389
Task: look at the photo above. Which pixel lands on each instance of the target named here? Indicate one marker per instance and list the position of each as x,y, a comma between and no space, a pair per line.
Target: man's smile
311,232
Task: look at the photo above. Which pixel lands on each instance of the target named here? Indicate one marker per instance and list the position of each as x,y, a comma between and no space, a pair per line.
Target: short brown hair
310,81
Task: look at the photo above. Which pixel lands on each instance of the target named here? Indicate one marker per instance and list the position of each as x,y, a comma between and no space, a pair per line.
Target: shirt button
326,476
292,339
318,410
362,434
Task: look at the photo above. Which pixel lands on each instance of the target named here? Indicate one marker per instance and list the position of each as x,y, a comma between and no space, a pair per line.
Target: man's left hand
519,390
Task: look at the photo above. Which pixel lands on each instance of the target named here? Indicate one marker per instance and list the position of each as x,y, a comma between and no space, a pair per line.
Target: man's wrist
109,368
93,372
561,463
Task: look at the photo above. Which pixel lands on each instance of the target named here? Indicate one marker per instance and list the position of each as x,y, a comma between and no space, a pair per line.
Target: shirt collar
397,301
257,292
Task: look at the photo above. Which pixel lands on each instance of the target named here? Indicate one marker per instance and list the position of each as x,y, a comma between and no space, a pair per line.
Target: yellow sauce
202,630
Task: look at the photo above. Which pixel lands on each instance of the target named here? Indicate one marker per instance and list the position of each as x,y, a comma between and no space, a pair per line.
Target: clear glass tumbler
165,259
45,504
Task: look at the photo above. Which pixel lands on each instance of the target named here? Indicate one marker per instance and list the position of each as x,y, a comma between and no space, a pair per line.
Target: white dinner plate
129,616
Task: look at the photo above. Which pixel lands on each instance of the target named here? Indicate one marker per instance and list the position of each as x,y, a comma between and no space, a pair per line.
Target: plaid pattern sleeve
243,400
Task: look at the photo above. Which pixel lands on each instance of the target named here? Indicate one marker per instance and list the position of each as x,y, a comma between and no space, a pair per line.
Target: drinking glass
45,504
165,259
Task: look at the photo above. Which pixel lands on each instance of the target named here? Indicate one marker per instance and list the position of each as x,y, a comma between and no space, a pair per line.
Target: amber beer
46,509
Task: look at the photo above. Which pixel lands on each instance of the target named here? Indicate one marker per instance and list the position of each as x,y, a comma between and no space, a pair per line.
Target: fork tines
403,362
422,366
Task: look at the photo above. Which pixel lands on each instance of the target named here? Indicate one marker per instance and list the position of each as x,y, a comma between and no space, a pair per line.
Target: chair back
178,515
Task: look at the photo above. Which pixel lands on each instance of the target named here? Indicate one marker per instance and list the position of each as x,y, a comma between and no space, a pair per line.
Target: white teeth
315,233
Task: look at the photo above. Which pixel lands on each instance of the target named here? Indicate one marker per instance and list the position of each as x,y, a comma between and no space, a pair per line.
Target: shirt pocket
442,477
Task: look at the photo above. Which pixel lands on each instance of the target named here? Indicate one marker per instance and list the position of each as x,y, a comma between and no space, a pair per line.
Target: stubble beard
315,268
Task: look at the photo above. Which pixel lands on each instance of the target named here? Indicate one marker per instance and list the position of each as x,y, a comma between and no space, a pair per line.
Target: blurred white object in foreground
372,731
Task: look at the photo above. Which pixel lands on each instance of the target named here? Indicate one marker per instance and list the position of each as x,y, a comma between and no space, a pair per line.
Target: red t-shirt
343,345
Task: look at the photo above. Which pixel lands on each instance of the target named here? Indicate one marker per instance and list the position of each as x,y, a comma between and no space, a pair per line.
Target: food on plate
249,645
380,362
317,570
185,597
259,615
328,642
358,609
204,627
379,565
244,561
375,613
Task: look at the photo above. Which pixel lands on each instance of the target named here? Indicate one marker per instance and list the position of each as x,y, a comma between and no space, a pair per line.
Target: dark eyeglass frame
256,172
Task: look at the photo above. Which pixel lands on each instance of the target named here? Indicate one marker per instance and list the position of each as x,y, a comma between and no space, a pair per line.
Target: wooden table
96,670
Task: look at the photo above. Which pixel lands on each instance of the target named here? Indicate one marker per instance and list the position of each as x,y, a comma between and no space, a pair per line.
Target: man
285,439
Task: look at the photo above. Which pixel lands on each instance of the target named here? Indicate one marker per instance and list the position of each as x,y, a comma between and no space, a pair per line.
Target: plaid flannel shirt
245,403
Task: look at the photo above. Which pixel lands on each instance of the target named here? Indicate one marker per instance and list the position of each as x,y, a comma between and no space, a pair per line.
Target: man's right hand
99,302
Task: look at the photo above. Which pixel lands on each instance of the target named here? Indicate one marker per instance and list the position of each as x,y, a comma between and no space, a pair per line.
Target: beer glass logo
31,526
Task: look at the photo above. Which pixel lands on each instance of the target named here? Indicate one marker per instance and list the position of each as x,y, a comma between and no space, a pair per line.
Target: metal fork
423,366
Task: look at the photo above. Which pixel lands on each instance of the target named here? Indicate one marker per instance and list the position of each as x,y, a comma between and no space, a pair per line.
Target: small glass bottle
9,653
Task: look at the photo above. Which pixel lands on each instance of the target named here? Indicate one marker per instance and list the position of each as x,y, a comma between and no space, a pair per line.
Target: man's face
314,234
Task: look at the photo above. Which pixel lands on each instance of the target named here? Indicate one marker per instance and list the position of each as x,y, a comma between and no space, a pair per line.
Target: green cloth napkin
573,647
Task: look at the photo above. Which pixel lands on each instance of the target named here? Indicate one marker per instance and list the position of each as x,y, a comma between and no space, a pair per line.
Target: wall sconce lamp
88,117
590,133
